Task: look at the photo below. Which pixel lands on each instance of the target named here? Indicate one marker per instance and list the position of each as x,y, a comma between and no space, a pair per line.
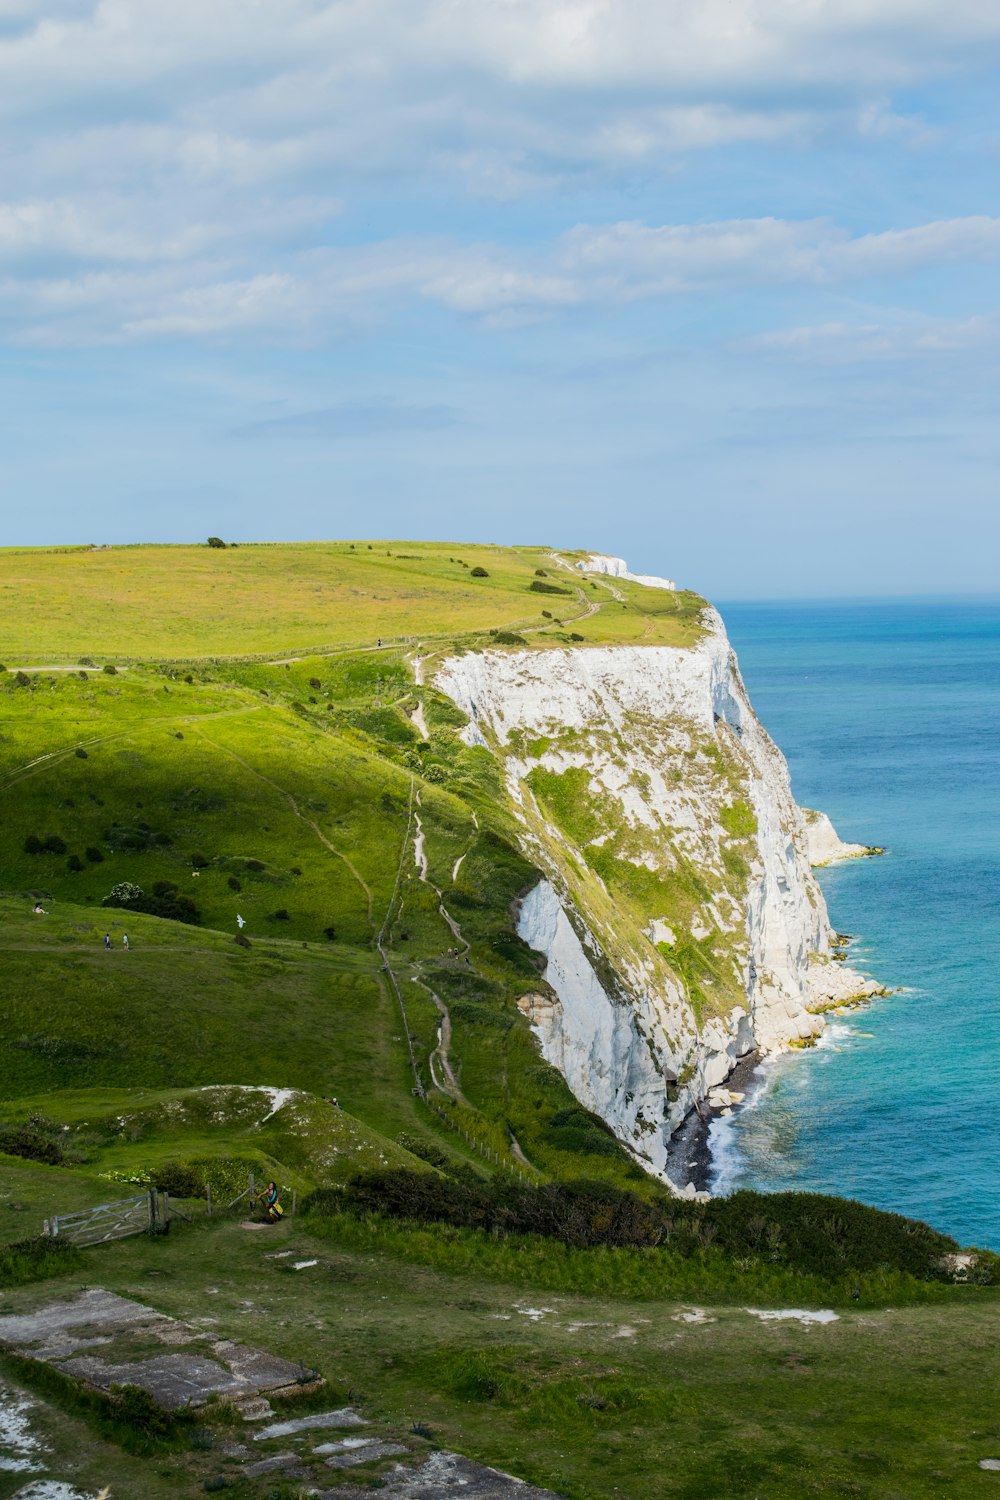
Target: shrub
31,1143
546,614
54,844
83,675
94,855
509,638
22,679
33,844
541,573
315,684
164,887
241,941
428,1151
110,669
34,1260
330,933
479,573
538,587
253,864
81,753
199,861
3,668
123,894
172,905
74,863
281,915
435,774
85,661
181,1179
234,884
216,541
574,636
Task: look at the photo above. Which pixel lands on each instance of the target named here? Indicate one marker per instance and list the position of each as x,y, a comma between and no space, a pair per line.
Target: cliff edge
679,918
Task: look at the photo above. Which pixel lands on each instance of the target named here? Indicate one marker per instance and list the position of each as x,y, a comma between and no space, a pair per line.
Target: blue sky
712,284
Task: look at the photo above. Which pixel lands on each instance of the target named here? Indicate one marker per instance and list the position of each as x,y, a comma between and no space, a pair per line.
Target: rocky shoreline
689,1160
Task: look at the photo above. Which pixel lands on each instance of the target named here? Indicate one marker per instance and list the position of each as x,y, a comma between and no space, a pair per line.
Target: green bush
428,1151
33,844
508,638
32,1144
479,573
216,541
234,884
123,894
538,587
36,1259
74,864
110,669
80,753
54,844
834,1239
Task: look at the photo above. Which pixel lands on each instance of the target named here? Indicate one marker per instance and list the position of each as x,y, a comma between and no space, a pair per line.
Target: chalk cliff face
678,914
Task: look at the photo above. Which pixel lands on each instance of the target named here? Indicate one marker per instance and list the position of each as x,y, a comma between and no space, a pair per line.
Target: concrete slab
342,1417
365,1453
281,1463
106,1340
441,1477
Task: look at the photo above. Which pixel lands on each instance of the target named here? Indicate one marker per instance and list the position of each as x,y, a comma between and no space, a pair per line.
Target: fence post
152,1208
251,1195
208,1197
55,1226
166,1208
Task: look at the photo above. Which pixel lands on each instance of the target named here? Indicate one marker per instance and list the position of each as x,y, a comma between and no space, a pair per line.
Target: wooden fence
109,1221
151,1212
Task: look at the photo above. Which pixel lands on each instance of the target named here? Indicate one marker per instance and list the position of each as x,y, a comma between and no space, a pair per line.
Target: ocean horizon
888,711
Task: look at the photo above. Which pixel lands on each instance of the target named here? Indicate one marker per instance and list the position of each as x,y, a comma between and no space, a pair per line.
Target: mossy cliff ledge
679,917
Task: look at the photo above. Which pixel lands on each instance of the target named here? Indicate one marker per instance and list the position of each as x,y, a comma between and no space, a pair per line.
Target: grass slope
185,602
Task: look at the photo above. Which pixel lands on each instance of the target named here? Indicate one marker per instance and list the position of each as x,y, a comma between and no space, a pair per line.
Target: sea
888,712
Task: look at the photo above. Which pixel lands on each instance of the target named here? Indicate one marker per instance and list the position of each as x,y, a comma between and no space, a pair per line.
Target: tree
216,541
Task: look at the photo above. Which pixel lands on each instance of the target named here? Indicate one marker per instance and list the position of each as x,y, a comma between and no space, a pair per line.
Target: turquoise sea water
889,715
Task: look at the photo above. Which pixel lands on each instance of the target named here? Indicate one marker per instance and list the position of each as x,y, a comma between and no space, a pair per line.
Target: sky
708,284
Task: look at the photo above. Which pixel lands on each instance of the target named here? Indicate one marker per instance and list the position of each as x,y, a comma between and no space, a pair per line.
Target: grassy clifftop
193,602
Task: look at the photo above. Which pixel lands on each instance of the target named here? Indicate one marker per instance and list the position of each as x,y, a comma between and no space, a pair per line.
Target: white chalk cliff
678,914
824,844
616,567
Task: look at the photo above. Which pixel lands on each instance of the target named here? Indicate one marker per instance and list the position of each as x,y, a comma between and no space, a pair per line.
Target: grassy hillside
187,602
256,756
217,732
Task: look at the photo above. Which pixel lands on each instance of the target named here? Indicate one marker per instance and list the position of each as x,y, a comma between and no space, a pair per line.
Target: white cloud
877,342
309,296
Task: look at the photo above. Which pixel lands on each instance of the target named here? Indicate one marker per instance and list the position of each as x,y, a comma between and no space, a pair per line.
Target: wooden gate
110,1221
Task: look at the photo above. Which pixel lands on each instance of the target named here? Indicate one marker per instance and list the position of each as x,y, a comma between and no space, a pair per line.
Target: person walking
107,941
125,941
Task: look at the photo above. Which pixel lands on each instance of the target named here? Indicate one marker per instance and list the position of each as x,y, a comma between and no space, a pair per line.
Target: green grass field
187,602
603,1396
